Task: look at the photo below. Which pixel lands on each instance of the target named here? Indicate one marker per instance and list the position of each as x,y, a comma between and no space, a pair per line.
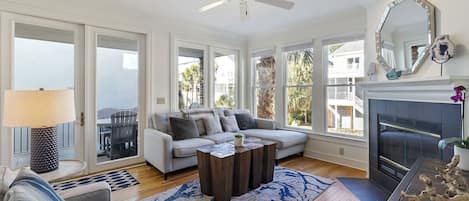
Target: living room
233,100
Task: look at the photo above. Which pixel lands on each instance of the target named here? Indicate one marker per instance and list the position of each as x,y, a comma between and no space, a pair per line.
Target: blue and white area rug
118,180
288,185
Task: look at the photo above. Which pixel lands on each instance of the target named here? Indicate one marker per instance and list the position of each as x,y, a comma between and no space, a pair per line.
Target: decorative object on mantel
460,96
450,176
41,110
443,49
461,148
393,74
371,71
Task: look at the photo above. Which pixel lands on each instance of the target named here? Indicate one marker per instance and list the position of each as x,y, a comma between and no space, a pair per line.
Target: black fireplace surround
402,131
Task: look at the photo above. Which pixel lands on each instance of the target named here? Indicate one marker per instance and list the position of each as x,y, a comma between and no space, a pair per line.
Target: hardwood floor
152,182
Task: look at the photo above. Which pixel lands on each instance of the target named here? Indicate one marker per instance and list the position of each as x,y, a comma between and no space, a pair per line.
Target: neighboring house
345,104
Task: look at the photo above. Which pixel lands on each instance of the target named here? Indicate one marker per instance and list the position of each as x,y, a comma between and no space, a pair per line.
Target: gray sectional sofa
168,155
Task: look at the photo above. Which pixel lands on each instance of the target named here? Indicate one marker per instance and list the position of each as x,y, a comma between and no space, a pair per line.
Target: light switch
160,100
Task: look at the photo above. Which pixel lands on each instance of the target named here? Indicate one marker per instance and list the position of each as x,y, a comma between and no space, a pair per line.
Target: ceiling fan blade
212,5
279,3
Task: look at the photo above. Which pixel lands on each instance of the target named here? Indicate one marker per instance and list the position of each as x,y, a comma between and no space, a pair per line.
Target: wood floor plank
152,181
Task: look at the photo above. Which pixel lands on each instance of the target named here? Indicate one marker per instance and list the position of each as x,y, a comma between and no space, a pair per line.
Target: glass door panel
44,57
117,87
224,80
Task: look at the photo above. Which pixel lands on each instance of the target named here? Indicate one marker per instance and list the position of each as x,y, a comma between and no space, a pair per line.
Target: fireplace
402,131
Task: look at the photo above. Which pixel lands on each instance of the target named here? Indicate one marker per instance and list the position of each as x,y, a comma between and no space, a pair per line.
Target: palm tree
190,80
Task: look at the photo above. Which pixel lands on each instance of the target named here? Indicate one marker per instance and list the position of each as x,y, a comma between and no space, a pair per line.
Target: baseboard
337,159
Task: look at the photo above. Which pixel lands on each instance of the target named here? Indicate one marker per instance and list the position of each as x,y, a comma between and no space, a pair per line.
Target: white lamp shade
38,109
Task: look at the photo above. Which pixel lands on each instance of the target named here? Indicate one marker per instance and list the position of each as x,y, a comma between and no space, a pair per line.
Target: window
225,80
299,87
353,62
264,89
204,77
190,78
344,102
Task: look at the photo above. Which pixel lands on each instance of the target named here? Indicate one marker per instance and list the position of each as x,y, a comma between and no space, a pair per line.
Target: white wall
450,19
159,29
320,145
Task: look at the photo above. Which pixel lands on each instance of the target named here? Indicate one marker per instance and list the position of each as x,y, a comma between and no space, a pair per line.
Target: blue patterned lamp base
44,150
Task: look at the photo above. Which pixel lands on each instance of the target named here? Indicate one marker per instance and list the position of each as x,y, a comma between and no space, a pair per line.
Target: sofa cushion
6,178
212,125
160,121
232,112
183,128
283,138
245,121
220,137
201,127
30,186
187,148
229,124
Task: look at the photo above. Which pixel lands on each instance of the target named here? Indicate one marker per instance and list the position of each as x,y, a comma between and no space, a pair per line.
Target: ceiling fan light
212,6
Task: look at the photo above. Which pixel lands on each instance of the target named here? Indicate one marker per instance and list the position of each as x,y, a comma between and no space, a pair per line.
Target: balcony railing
65,138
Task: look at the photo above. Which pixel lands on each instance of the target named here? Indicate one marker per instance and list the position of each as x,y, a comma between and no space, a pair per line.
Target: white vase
463,156
238,141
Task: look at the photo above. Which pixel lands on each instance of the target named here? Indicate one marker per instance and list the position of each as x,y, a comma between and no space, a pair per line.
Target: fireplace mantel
430,81
431,89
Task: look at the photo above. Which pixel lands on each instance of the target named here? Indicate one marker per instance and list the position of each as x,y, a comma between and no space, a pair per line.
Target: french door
39,53
105,67
115,98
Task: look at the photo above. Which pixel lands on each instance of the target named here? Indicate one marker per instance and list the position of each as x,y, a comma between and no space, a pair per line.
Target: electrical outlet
160,100
341,151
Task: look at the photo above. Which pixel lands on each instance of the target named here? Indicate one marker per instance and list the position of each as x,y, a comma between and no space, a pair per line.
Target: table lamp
41,110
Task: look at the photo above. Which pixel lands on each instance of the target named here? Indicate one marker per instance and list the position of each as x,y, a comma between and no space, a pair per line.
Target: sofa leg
276,162
302,154
165,175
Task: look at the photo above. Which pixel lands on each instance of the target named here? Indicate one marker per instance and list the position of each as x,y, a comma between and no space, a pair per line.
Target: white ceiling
227,17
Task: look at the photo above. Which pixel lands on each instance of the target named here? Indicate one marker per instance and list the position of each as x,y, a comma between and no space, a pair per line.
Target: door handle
82,119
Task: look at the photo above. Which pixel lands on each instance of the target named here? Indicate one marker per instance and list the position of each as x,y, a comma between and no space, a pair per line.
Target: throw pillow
183,128
201,127
212,125
229,124
30,186
6,178
245,121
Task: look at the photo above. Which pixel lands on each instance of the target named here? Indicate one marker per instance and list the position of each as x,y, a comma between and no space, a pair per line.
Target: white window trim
209,47
319,105
285,86
225,51
324,85
255,54
174,71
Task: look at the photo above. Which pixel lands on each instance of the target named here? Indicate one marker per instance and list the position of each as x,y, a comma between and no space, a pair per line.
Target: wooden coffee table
226,170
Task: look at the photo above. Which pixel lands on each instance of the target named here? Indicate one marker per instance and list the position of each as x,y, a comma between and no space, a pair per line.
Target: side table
67,169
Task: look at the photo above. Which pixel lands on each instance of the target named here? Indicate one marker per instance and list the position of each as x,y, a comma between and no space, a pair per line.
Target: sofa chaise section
288,142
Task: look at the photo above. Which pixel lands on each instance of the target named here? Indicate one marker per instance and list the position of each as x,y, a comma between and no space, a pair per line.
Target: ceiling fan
285,4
